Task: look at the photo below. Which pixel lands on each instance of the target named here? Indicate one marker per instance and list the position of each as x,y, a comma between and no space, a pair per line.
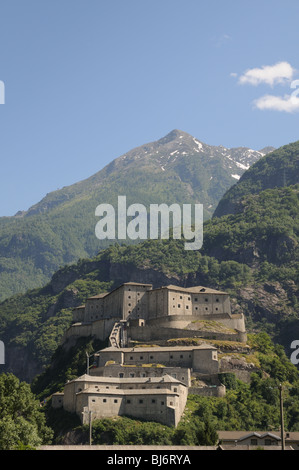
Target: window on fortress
153,400
129,296
179,305
206,300
189,298
175,389
216,309
104,400
162,403
196,308
140,401
141,357
195,299
129,305
129,401
115,401
217,300
151,357
187,306
181,296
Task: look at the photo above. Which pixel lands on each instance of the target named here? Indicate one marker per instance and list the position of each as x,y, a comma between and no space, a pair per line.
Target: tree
22,423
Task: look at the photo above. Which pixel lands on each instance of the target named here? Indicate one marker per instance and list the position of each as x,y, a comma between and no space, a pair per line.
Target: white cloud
287,103
281,72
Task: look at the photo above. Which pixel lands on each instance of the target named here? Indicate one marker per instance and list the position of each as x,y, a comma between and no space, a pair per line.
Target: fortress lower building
161,399
156,391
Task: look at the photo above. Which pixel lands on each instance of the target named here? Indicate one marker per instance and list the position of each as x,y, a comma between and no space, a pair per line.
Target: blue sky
86,81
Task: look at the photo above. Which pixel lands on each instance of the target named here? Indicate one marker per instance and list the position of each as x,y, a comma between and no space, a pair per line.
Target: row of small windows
141,358
196,308
153,401
196,299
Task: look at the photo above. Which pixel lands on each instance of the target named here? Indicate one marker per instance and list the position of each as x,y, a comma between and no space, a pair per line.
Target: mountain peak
175,134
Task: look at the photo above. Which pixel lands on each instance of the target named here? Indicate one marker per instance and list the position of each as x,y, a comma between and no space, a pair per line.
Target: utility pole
87,361
281,418
87,365
90,430
90,424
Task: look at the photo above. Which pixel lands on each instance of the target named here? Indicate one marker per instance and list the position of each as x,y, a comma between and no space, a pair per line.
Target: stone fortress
141,373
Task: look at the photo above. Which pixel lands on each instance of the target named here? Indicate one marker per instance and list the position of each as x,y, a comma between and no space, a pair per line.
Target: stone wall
152,333
209,391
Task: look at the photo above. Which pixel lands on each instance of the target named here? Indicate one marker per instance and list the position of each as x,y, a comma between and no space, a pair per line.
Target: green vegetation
67,363
266,232
22,423
277,169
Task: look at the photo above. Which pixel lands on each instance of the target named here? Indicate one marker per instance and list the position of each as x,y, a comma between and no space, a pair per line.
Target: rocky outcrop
121,273
270,301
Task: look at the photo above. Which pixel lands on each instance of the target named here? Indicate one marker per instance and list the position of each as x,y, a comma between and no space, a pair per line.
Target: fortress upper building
140,305
134,300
